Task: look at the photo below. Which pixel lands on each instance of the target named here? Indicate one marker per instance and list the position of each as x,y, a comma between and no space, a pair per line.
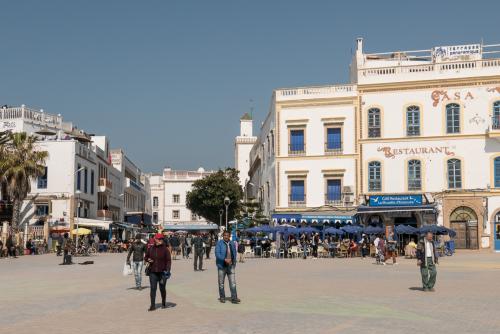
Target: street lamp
221,212
227,201
78,192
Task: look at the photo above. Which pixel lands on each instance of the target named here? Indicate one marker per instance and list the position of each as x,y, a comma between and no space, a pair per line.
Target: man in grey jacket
138,249
427,259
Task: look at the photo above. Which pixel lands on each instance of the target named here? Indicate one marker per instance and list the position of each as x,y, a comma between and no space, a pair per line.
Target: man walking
225,259
67,248
208,245
138,249
427,259
198,252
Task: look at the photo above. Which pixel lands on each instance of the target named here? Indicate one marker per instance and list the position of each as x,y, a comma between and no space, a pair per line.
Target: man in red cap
160,262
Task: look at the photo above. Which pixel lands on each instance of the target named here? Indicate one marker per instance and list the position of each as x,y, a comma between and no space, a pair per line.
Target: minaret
242,146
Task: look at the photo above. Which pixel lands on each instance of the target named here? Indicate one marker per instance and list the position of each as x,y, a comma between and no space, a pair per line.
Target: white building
419,144
242,146
168,194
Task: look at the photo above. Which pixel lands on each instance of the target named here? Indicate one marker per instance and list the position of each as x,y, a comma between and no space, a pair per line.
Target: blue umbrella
307,230
373,230
333,230
252,229
352,229
265,228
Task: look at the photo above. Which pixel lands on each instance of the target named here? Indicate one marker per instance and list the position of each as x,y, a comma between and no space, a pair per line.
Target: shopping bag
127,269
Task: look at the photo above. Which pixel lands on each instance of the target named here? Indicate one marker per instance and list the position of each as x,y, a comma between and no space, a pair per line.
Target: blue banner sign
325,217
396,200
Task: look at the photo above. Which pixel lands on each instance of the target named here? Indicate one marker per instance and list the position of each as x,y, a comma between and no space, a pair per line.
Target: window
92,181
41,210
333,140
333,191
79,178
155,201
452,118
176,198
496,172
495,122
194,217
414,175
175,214
155,217
374,176
374,123
85,179
297,145
454,174
42,180
272,143
413,121
297,192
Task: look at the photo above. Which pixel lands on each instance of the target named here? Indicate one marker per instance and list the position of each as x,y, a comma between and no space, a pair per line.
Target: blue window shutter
333,190
297,140
79,178
497,172
297,191
333,140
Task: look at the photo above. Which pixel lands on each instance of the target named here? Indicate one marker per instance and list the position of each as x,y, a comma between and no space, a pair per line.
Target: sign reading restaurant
391,152
396,200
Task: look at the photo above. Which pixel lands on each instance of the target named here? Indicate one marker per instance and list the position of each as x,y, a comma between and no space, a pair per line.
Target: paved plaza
288,296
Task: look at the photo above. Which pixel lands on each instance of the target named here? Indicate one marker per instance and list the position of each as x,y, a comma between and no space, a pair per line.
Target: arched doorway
464,221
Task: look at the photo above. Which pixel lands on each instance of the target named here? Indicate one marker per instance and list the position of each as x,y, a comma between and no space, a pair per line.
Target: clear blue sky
169,80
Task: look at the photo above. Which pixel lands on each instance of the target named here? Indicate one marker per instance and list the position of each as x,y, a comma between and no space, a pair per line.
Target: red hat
159,236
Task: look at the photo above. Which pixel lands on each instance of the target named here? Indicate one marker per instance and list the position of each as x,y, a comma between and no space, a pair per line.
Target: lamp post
78,192
221,212
227,201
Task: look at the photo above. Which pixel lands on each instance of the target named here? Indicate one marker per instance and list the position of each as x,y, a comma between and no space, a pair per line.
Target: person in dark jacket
160,262
67,249
198,252
208,245
138,249
225,259
427,258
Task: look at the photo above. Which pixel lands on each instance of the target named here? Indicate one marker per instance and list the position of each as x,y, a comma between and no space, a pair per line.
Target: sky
168,81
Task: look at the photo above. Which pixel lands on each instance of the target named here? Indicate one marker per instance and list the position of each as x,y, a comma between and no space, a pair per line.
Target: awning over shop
198,227
382,209
124,226
92,223
327,217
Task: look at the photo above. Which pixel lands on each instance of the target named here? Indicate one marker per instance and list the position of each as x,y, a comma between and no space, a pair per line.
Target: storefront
392,210
330,218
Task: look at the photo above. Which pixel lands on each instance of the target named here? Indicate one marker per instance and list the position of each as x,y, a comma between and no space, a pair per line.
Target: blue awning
200,227
310,218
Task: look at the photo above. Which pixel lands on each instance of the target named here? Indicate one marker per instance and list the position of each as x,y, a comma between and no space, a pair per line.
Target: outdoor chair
248,251
373,251
294,251
322,252
344,250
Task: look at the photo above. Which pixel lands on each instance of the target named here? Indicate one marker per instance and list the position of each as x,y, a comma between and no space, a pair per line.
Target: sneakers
235,301
222,300
151,308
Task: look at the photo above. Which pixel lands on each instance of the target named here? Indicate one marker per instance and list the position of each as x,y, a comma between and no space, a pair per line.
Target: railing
103,182
334,199
314,91
106,214
30,114
373,132
297,149
135,185
297,200
375,185
495,122
333,148
414,184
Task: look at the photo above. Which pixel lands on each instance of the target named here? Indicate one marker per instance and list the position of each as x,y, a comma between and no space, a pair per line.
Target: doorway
497,232
464,221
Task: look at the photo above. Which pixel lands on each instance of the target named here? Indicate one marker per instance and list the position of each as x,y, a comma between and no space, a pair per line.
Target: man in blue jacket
225,259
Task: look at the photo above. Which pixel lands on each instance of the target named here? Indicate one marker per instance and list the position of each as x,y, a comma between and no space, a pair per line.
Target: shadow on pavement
414,288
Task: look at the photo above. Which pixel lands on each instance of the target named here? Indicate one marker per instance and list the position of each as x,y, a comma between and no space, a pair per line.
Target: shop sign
443,95
396,200
456,52
391,152
319,217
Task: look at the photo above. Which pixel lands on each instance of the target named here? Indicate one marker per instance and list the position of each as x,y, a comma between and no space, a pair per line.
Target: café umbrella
81,231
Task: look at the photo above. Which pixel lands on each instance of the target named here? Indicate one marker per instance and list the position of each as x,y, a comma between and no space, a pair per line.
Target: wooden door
461,237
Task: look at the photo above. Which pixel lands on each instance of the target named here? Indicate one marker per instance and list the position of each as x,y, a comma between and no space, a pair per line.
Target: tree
206,198
20,162
4,137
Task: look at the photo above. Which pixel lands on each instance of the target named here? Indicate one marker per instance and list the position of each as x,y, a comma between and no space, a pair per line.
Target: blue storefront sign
396,200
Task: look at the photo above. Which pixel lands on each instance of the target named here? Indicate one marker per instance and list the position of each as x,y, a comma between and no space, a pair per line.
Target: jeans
315,250
429,274
207,251
154,280
231,276
137,266
198,259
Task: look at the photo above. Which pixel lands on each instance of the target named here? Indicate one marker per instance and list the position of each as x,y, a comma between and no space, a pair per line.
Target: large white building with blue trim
414,139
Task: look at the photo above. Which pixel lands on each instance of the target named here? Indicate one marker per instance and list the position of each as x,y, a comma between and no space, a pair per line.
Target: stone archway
464,220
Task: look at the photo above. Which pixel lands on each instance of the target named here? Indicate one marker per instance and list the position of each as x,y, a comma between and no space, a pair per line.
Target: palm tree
20,162
4,137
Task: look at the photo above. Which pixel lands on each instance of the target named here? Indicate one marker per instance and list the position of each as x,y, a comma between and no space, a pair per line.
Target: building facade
418,143
242,146
168,197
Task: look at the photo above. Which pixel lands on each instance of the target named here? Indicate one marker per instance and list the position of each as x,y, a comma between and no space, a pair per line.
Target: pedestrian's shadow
142,288
414,288
167,304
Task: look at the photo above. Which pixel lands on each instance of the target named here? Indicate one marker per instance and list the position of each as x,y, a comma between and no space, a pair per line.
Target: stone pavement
289,295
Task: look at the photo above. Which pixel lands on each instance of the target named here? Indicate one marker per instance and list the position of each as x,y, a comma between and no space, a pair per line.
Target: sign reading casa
396,200
390,152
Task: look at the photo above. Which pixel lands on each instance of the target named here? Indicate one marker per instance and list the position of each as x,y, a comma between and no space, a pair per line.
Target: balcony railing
495,122
297,149
105,214
375,185
334,199
374,132
105,185
333,148
297,200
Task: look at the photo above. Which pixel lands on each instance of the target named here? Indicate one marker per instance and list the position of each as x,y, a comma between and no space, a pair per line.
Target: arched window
373,123
452,118
496,172
495,121
374,176
413,121
454,174
414,175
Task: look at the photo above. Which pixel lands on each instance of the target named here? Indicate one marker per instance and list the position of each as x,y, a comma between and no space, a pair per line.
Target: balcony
333,200
105,185
333,148
494,128
129,183
105,214
297,201
315,92
297,150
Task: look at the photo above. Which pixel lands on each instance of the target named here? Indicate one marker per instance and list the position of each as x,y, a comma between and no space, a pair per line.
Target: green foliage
206,199
20,162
